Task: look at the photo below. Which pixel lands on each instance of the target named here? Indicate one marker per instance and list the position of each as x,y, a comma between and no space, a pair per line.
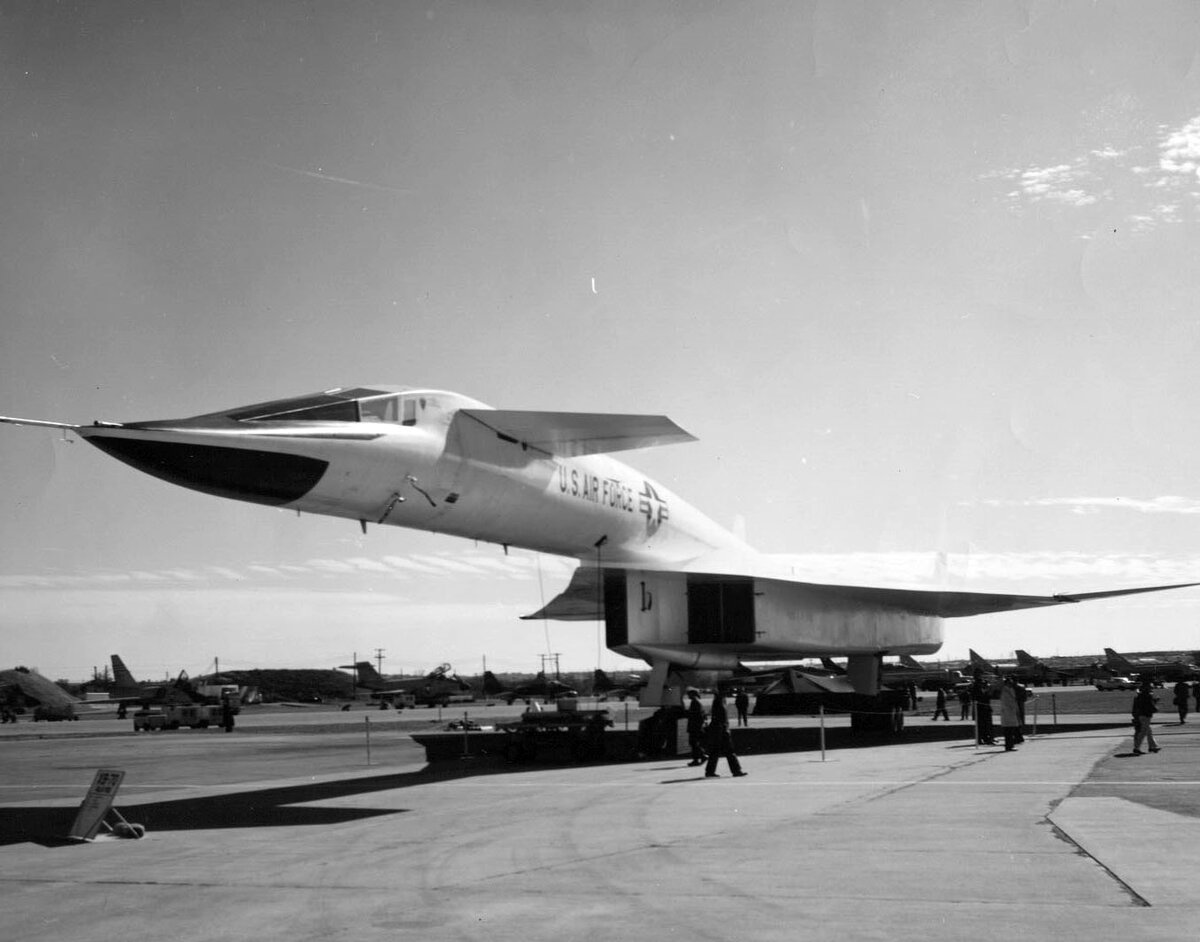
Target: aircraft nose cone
262,477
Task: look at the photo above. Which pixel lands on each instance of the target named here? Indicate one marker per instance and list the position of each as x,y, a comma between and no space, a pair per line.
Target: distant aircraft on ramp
1033,670
672,586
439,687
1156,670
540,688
605,687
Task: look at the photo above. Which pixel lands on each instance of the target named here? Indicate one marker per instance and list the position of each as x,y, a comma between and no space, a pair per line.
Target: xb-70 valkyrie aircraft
673,587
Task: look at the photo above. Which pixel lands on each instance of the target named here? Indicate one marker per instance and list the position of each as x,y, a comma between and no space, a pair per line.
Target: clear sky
920,276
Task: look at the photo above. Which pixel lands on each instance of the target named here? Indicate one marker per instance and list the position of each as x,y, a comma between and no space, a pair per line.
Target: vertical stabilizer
492,686
367,676
123,681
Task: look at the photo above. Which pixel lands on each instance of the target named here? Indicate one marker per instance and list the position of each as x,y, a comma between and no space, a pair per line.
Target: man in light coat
1010,714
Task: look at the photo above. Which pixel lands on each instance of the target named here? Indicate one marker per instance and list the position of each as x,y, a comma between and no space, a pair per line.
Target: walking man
1144,709
720,743
741,700
940,706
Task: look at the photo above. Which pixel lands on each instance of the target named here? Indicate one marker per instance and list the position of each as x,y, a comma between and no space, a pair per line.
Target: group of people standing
1145,705
1011,696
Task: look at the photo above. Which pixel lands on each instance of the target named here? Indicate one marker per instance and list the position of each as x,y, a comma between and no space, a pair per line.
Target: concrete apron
926,841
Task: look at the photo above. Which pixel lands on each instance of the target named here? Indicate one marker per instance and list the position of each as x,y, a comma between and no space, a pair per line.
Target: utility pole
379,660
550,657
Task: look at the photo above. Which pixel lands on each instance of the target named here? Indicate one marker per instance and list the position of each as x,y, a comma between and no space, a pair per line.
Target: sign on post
96,804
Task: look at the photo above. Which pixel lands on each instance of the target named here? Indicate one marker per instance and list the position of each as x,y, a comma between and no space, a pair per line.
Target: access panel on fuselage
720,610
677,609
654,605
616,615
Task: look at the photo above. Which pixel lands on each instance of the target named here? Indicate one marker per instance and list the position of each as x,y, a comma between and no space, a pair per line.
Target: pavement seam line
1135,898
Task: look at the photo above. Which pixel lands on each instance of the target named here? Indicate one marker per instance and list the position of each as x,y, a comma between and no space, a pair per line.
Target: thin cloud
451,565
1134,180
404,564
997,571
183,575
1179,152
365,564
359,577
1154,505
335,566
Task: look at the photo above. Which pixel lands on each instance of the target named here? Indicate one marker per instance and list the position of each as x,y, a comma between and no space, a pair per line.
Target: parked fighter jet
21,687
909,671
925,676
604,686
1033,670
678,590
439,687
1029,670
125,689
1157,670
540,688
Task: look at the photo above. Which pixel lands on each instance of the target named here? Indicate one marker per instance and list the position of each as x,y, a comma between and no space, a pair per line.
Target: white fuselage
687,591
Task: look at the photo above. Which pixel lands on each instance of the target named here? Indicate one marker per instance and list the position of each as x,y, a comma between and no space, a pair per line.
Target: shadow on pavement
270,807
279,807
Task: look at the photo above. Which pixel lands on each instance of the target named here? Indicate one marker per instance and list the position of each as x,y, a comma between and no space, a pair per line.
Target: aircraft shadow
282,807
271,807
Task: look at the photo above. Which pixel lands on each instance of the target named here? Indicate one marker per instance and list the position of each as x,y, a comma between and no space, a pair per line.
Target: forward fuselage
425,475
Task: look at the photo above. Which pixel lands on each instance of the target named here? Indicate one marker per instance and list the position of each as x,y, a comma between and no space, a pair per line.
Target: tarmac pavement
279,836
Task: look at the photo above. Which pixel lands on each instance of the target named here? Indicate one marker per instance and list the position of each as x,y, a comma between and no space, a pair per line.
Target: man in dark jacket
981,696
695,726
720,743
1182,691
741,700
1144,709
940,705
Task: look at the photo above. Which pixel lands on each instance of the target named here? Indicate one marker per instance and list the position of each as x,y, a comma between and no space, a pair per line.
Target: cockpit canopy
339,405
394,405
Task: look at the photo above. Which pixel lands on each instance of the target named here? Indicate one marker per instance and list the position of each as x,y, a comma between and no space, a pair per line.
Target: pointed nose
250,474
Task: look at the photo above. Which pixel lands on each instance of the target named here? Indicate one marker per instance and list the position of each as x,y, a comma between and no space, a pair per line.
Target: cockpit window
306,409
349,405
379,410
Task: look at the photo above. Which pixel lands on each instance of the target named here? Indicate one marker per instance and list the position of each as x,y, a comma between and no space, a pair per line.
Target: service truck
174,715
